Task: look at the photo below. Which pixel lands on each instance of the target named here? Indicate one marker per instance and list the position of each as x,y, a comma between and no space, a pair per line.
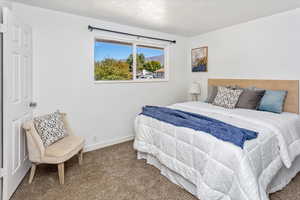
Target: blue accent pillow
273,101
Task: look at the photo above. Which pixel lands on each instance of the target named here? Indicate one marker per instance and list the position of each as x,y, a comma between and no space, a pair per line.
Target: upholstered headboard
292,86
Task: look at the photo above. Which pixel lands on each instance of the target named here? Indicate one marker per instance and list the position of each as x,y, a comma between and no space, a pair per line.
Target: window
125,61
149,62
112,60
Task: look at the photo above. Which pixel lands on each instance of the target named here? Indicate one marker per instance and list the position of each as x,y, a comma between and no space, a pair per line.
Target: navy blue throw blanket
217,128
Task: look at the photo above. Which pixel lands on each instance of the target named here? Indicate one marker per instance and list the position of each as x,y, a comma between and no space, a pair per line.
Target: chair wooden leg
32,172
80,157
61,173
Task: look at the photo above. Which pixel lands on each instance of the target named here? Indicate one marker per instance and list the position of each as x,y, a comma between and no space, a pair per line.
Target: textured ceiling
183,17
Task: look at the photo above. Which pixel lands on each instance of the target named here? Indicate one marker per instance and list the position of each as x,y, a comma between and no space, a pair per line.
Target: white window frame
135,43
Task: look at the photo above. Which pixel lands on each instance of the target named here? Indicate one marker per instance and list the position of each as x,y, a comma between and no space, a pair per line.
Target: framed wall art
199,59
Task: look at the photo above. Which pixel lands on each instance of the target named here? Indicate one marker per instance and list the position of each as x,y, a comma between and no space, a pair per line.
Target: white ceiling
183,17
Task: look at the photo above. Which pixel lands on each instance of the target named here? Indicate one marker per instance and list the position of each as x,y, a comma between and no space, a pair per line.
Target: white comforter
218,169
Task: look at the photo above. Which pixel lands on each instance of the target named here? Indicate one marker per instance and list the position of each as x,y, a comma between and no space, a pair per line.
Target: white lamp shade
195,88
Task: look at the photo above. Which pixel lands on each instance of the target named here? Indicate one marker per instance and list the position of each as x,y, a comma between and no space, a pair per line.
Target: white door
17,96
1,139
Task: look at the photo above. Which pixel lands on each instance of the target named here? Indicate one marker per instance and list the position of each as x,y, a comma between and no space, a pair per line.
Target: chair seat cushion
63,149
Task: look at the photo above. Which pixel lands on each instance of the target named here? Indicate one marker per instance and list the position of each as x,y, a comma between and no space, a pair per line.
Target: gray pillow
250,99
254,88
50,128
211,93
233,87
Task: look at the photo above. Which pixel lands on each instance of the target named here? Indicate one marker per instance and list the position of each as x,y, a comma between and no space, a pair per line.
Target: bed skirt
281,179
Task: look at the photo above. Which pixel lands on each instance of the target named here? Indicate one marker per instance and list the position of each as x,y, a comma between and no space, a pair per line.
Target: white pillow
226,97
50,128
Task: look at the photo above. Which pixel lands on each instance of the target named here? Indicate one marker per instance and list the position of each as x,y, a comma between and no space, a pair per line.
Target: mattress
218,169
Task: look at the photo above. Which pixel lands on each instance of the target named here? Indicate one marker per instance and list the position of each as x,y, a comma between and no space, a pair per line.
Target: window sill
132,81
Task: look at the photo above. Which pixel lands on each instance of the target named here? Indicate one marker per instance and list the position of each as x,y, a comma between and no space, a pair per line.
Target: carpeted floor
114,173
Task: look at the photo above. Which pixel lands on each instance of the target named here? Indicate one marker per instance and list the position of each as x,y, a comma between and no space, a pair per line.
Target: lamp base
194,97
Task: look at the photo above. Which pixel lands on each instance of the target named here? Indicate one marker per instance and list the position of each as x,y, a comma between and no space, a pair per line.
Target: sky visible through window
121,51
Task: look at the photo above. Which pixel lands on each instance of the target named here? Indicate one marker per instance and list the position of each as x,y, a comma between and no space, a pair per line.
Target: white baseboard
100,145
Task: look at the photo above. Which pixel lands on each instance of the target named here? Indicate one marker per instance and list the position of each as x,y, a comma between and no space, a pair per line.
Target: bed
212,169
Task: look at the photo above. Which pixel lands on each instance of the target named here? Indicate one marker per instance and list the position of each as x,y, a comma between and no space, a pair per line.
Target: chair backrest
35,145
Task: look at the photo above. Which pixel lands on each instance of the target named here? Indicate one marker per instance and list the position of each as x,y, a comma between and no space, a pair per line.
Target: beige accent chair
57,153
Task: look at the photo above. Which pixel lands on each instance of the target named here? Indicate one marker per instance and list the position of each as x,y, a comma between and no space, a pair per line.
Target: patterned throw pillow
226,97
50,128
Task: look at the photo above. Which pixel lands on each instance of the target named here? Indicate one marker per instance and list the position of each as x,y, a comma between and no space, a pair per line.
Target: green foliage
140,61
129,61
152,66
111,69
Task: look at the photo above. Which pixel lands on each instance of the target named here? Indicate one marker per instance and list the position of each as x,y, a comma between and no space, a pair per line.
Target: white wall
5,3
266,48
63,64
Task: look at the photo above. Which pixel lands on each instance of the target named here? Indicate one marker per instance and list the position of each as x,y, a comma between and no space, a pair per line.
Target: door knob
32,104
